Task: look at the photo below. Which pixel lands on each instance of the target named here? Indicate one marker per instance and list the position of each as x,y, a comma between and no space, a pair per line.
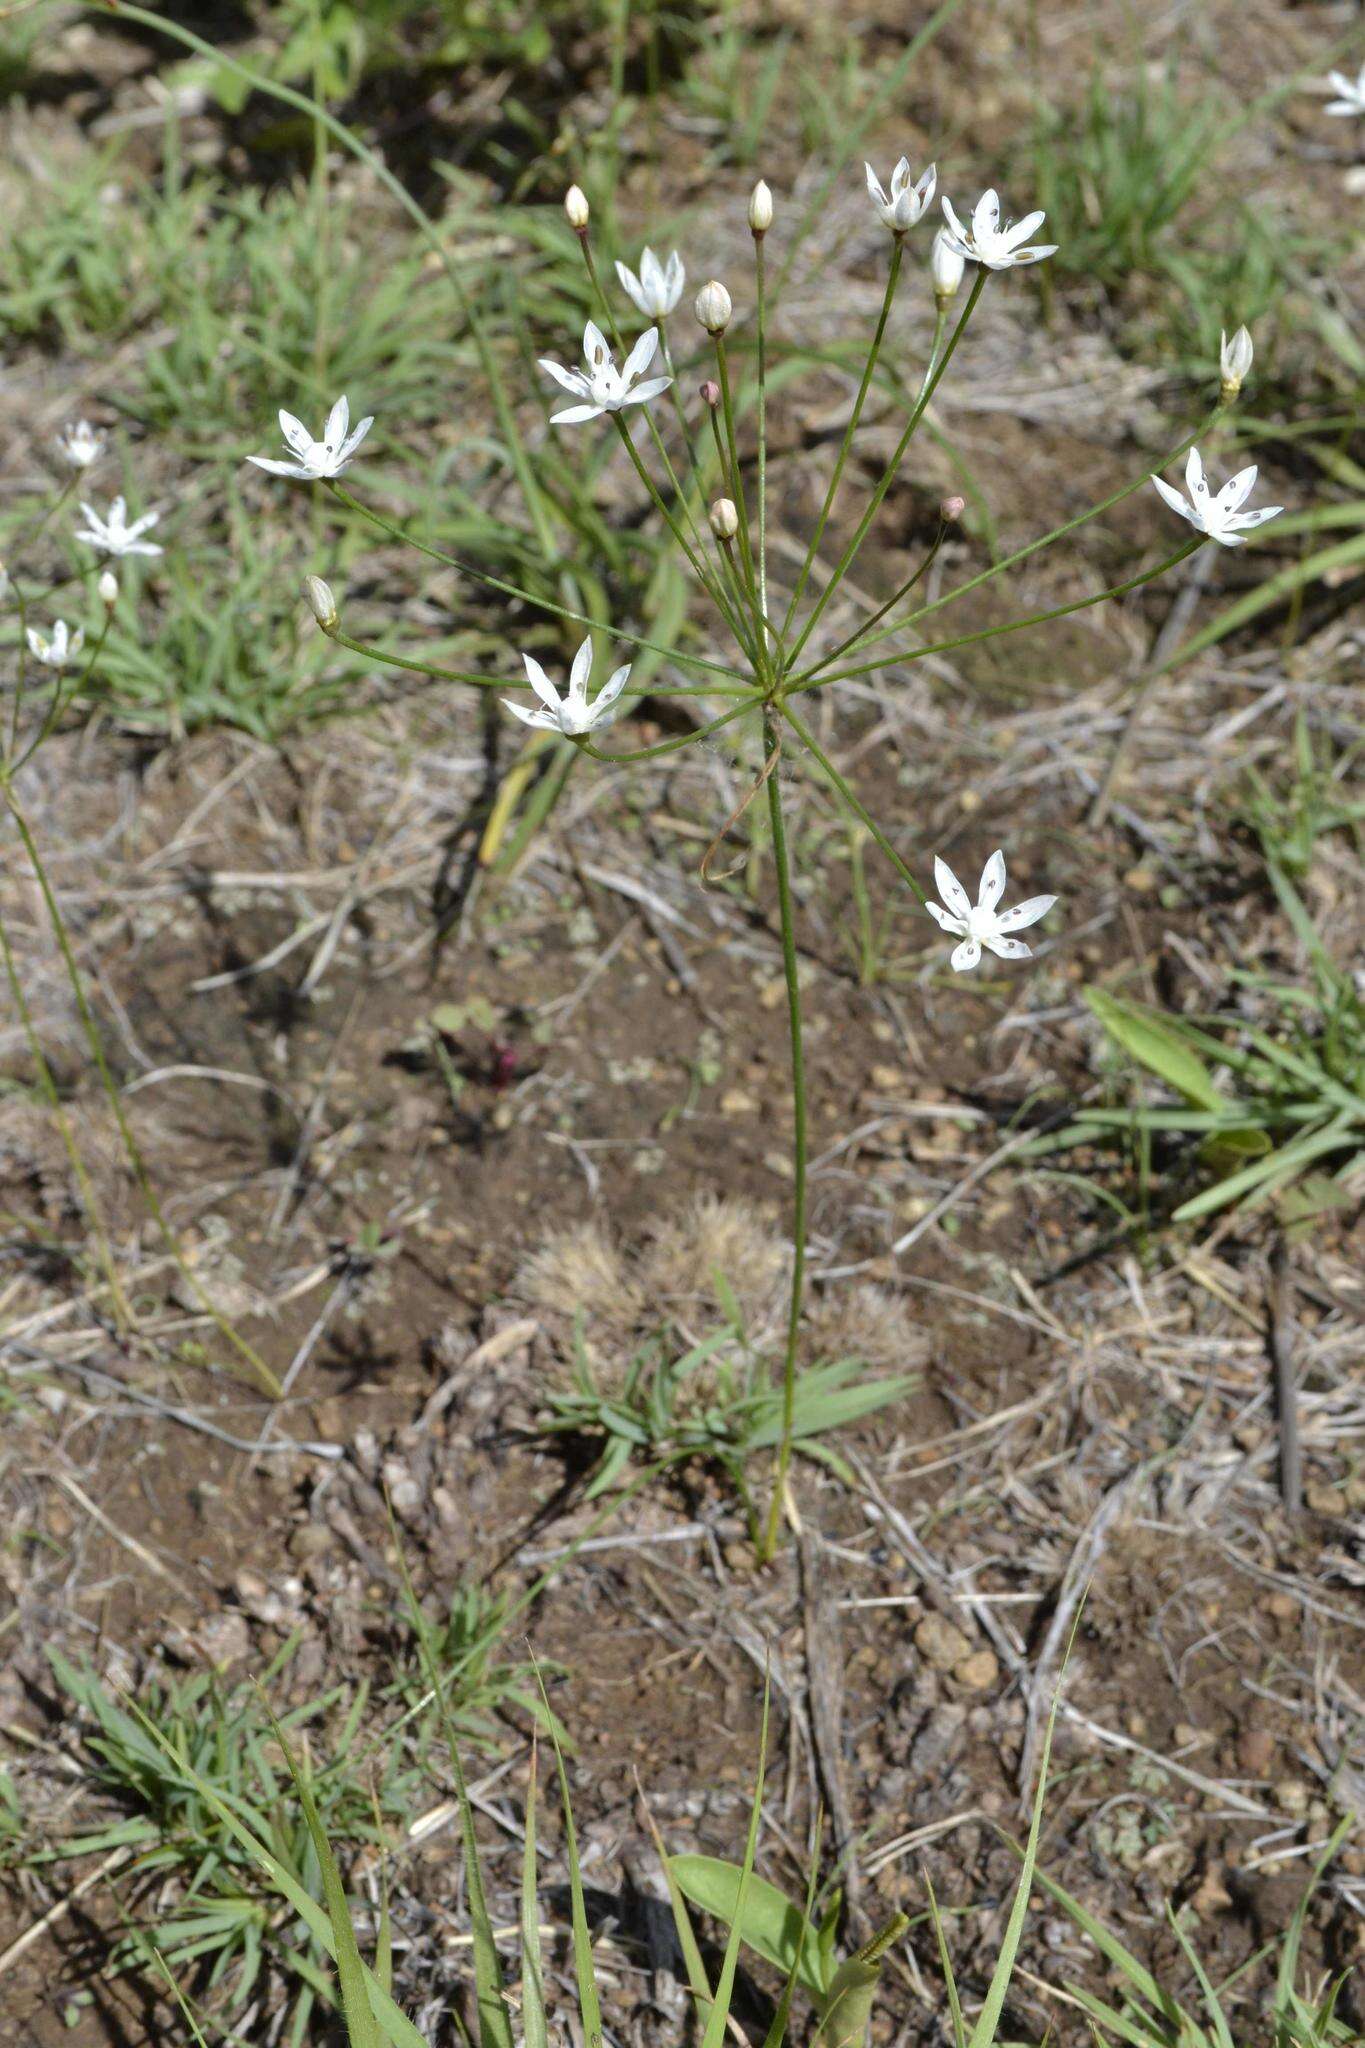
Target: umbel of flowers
698,448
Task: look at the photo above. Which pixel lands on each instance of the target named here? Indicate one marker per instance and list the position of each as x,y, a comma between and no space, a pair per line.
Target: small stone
978,1672
940,1643
1256,1751
1213,1895
1324,1500
310,1540
223,1638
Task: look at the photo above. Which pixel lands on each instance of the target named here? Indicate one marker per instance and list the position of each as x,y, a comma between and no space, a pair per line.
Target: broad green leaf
1157,1045
772,1926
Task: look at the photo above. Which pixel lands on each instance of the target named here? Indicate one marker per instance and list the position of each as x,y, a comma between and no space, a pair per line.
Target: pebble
941,1644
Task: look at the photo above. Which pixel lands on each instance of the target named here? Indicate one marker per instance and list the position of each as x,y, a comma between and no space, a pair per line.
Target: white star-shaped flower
601,385
113,535
63,647
980,924
314,459
987,243
572,714
81,444
907,200
1221,518
658,288
1350,91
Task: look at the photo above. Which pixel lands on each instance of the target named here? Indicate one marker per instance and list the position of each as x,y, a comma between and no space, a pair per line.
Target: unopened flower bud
576,209
946,265
108,587
710,393
321,602
4,572
1234,362
951,508
760,209
714,307
724,519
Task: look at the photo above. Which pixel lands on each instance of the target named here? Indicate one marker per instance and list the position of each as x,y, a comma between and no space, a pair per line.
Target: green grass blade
983,2033
361,2029
589,2005
720,2011
535,2033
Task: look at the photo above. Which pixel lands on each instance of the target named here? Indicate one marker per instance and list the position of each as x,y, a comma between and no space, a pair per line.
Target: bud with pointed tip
321,602
714,307
760,209
1234,362
576,209
710,393
724,519
946,265
108,587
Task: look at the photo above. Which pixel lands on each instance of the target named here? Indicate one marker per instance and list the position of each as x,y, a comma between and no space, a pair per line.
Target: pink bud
952,508
710,392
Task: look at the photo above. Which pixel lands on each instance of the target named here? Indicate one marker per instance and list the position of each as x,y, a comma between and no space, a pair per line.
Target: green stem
673,746
699,568
832,490
857,638
760,273
888,476
746,555
772,739
864,817
115,1097
812,679
545,604
1045,540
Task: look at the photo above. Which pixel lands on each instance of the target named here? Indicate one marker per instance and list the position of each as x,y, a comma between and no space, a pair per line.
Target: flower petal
294,469
595,348
1237,489
1244,521
338,422
1175,501
543,719
951,890
574,415
641,356
965,956
1194,477
640,394
1022,915
540,683
613,686
992,882
986,216
572,380
1007,949
944,922
580,672
295,433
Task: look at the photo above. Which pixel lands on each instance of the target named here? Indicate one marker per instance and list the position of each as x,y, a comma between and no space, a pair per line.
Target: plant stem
699,568
773,740
832,490
888,476
828,769
746,555
673,746
760,274
813,679
544,604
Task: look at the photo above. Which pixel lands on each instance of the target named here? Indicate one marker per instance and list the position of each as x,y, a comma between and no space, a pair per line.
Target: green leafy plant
714,1401
1268,1105
180,1754
1147,2015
